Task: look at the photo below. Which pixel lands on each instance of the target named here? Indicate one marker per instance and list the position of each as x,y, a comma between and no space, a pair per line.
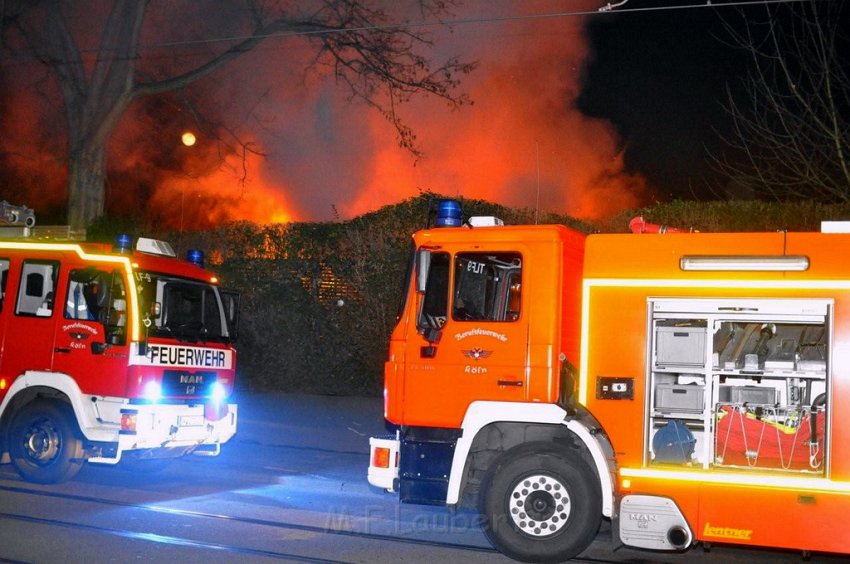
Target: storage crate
680,346
679,398
747,394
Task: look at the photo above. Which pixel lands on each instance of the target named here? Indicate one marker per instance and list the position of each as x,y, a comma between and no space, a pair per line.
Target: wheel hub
42,442
539,505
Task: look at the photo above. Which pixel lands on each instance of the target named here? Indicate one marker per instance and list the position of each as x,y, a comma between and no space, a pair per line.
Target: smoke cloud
315,155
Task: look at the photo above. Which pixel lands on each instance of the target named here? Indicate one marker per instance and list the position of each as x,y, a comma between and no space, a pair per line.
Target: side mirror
432,335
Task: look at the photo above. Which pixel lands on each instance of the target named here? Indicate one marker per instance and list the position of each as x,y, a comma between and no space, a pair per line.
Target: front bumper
383,462
162,426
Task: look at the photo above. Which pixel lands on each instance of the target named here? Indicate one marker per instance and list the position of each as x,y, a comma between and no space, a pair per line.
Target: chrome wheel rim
539,505
42,441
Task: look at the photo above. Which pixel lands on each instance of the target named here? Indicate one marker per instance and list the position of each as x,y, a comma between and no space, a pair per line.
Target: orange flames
523,143
219,196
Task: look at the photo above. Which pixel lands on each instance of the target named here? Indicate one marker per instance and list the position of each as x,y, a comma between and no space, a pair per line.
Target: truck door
5,307
28,339
472,303
91,341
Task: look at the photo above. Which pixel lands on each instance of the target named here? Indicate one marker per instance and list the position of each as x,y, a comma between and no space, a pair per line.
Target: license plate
190,420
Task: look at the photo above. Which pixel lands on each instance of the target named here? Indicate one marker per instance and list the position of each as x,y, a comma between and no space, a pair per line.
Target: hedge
319,299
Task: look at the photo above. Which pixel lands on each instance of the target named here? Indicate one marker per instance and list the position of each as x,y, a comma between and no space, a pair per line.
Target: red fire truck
687,386
108,354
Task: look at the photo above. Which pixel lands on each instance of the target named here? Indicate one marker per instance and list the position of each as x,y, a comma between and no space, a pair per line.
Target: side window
96,295
116,314
86,295
4,276
488,287
212,312
230,300
36,292
435,305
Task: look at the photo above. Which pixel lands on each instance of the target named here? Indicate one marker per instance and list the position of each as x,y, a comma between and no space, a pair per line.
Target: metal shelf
771,374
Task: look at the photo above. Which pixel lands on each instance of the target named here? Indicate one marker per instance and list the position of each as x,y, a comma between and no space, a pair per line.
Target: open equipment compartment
738,383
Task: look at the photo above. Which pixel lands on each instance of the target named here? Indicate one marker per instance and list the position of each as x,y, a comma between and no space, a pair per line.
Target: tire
541,504
44,443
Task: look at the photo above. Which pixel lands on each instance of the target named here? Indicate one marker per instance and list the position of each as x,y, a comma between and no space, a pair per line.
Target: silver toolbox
679,397
680,346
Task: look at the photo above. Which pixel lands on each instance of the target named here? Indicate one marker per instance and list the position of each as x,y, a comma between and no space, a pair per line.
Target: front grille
187,383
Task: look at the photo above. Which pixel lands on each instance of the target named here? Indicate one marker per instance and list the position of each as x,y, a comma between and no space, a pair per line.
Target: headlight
152,391
218,392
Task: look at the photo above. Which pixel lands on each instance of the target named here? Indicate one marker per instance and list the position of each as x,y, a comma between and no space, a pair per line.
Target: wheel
44,443
541,504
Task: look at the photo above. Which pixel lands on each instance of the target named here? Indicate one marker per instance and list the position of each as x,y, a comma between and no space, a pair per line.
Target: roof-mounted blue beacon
449,214
123,243
196,257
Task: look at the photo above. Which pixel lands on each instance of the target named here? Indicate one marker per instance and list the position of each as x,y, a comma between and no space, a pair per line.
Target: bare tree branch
791,122
378,60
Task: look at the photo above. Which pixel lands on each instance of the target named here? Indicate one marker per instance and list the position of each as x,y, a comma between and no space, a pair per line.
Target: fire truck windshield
189,310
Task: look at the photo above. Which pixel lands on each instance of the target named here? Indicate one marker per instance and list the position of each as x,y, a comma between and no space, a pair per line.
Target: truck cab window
4,275
86,295
435,304
97,295
116,315
35,295
186,309
487,287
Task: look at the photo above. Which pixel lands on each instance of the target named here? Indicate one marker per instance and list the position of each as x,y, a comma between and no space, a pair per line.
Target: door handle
61,350
514,383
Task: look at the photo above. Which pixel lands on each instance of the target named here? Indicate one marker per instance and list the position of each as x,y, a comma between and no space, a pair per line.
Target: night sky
661,78
583,115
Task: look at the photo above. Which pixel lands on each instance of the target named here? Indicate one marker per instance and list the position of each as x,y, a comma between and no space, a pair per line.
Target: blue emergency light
123,243
449,214
196,257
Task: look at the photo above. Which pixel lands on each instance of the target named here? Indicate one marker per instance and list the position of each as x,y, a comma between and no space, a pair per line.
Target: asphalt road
291,486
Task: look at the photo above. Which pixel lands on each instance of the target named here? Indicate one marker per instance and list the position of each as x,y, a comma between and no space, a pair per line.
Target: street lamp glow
188,138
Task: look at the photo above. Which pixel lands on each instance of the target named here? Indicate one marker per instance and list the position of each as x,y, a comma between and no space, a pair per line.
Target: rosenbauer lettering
196,357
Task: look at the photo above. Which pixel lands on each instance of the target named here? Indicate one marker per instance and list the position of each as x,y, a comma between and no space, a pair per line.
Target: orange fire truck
687,386
109,354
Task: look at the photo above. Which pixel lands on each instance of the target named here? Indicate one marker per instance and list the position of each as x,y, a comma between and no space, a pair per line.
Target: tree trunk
374,60
86,181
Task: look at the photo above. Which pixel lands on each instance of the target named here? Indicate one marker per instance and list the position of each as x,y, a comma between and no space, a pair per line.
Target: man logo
477,353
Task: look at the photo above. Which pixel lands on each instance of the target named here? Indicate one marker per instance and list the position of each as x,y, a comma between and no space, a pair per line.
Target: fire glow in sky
319,156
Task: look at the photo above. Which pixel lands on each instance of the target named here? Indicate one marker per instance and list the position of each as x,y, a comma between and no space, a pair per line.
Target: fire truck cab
110,353
687,386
